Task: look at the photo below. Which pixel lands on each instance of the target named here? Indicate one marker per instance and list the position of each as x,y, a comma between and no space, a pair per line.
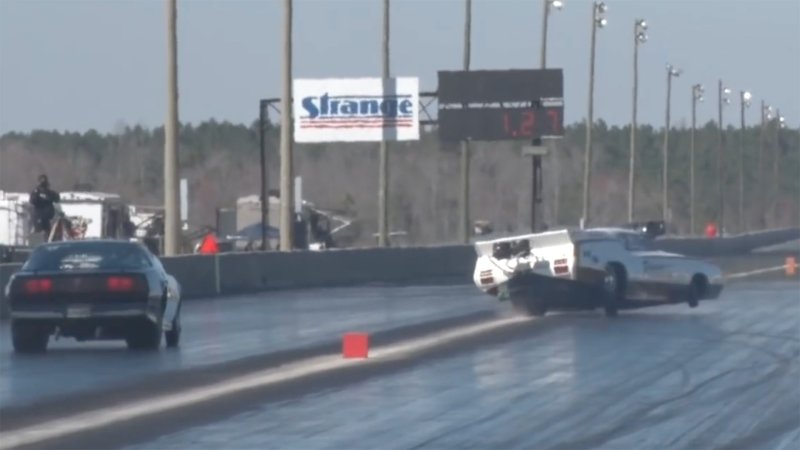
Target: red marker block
355,345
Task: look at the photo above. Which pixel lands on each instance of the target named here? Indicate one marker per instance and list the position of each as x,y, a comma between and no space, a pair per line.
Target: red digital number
553,115
528,122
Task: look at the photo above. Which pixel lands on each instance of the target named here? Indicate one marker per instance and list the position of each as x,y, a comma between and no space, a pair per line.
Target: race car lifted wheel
613,288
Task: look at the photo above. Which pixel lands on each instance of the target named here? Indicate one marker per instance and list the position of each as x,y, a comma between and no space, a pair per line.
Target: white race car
573,269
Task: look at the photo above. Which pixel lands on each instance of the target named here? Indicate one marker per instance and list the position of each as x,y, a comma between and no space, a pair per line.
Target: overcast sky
76,65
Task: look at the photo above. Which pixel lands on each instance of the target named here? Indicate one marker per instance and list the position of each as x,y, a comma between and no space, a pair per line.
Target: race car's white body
612,268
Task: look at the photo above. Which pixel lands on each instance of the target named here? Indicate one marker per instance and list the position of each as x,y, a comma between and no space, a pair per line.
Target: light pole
172,227
598,21
722,94
744,97
766,116
465,151
639,37
697,96
286,150
536,160
776,172
549,5
671,72
383,174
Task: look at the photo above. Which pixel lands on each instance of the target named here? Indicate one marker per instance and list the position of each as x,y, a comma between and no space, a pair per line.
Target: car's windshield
87,256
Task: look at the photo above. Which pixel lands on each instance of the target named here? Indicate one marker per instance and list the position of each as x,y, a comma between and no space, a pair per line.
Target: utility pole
536,159
665,216
172,228
766,113
262,146
721,172
383,176
744,98
639,37
776,164
465,151
697,96
287,176
598,21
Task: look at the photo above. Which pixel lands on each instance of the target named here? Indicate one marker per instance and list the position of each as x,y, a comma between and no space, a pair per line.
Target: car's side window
637,243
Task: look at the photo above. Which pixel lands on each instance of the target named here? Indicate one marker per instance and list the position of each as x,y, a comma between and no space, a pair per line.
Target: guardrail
238,273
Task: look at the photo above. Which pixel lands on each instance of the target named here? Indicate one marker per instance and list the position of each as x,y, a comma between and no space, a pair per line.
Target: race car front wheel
613,289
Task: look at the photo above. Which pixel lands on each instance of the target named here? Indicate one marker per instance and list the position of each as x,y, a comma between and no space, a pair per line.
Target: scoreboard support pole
535,151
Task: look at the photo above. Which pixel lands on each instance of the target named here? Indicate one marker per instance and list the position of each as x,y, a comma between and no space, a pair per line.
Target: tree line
221,162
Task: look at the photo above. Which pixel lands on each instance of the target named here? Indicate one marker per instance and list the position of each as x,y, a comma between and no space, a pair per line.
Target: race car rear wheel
528,306
613,289
29,337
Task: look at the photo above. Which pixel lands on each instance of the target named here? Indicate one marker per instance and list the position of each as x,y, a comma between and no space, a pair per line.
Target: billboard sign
356,109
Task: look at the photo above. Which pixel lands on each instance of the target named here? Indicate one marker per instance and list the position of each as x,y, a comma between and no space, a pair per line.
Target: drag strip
724,375
720,375
226,329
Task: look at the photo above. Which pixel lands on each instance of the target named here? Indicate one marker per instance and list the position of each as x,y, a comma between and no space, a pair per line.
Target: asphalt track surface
724,375
226,329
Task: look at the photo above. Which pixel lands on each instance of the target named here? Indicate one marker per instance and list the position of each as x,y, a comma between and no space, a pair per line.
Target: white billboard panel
356,109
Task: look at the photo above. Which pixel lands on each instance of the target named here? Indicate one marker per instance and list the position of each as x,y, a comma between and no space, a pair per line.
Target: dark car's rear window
85,255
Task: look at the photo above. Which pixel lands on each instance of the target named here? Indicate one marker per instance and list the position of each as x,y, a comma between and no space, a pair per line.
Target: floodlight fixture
698,91
746,98
768,112
599,10
641,27
557,4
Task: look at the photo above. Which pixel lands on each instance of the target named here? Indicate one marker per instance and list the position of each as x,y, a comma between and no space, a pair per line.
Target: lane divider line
756,272
134,409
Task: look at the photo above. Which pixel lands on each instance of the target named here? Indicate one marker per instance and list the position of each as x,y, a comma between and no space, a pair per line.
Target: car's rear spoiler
544,239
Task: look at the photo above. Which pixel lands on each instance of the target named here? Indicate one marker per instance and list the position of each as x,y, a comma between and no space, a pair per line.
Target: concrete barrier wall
234,273
727,246
261,271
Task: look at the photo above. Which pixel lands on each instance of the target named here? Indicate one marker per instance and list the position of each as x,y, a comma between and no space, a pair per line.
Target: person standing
43,200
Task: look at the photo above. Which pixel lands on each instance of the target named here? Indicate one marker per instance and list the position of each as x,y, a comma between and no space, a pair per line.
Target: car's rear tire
173,336
697,289
529,306
613,289
29,337
145,337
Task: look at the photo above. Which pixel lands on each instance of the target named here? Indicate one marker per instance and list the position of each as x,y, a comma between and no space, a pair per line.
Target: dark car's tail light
38,286
120,284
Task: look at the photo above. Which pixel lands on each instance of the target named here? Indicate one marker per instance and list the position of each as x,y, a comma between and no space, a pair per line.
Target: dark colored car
93,290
